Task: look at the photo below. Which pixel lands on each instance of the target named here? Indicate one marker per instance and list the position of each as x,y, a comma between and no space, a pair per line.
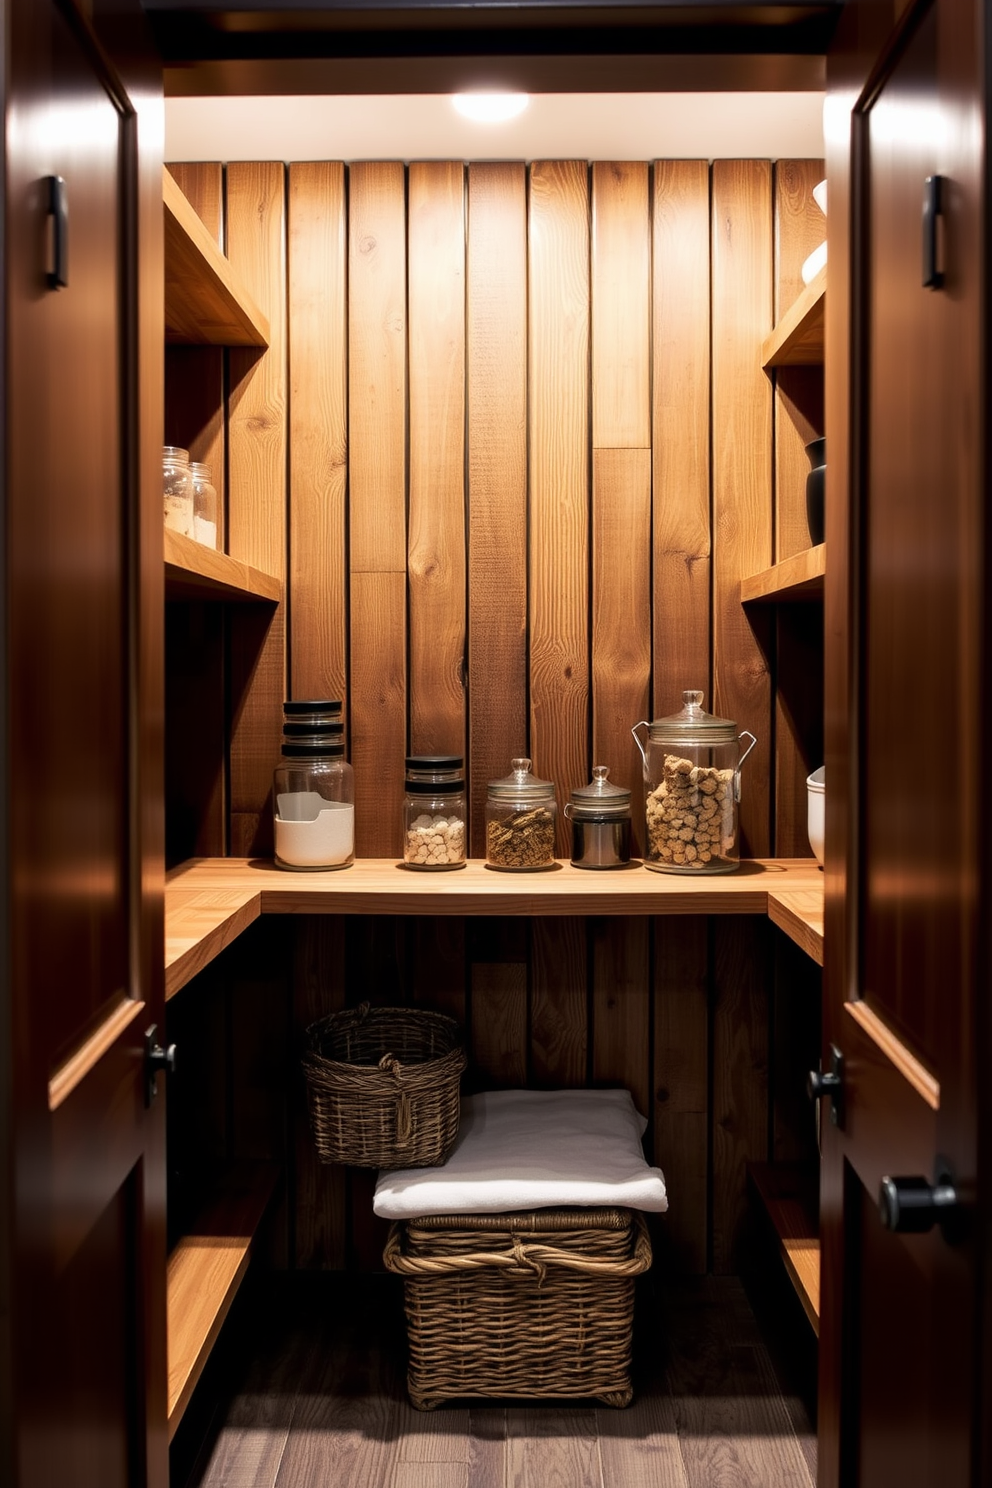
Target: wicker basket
382,1086
538,1304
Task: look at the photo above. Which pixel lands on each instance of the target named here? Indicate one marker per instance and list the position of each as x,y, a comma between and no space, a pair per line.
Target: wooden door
900,1335
83,1241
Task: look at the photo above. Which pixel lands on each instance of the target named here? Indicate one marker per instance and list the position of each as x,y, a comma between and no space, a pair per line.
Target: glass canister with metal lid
600,817
692,762
520,821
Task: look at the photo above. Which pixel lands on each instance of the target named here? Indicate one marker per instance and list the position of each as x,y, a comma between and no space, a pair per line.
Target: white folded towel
533,1149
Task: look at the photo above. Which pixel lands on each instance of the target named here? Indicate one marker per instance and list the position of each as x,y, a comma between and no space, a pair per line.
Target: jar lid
298,750
319,705
437,788
321,729
434,762
521,783
693,725
601,797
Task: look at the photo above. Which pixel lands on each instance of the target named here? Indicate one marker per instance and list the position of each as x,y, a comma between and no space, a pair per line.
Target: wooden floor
313,1394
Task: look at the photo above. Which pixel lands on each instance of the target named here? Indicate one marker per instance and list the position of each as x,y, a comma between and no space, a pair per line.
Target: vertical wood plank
195,732
377,392
796,1023
319,1189
499,1025
439,970
742,470
681,1083
436,560
681,430
497,471
559,475
257,433
741,975
559,1003
202,184
798,722
377,328
318,429
621,316
621,1046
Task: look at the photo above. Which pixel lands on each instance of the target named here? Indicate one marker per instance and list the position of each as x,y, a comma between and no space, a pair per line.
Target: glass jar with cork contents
692,763
521,812
434,812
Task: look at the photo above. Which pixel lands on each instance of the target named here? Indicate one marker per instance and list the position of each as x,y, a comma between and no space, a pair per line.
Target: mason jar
434,812
204,505
692,762
521,813
600,817
177,489
313,793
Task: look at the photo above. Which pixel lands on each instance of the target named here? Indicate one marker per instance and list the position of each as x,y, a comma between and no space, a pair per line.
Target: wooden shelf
204,302
204,1272
789,1196
195,572
797,340
797,578
210,901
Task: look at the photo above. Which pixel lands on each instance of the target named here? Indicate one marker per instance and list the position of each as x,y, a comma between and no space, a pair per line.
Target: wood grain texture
438,975
798,338
559,997
742,468
319,1191
317,270
377,347
436,558
195,731
499,1035
621,1004
496,361
378,711
797,578
798,720
620,306
553,1448
195,571
257,435
680,428
740,1026
621,604
206,299
559,476
680,1071
202,184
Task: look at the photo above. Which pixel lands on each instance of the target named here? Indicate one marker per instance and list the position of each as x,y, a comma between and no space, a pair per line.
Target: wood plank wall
514,449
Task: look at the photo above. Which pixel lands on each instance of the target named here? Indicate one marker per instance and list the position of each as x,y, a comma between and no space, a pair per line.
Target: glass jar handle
744,734
637,738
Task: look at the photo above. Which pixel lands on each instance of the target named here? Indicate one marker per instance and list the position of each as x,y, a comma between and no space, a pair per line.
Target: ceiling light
490,108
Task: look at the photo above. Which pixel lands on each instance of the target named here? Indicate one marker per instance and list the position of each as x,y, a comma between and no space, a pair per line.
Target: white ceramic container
815,800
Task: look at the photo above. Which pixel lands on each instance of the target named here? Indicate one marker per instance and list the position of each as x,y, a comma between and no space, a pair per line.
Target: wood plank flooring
314,1394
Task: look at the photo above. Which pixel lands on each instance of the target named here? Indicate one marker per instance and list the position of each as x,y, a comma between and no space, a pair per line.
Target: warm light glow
490,108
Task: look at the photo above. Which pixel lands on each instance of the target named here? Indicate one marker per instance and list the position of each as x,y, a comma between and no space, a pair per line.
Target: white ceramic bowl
815,800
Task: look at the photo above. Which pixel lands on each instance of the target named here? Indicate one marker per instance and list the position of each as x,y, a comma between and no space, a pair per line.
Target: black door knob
829,1083
156,1058
912,1206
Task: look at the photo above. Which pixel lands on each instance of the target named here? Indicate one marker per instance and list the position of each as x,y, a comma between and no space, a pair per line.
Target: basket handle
534,1258
390,1065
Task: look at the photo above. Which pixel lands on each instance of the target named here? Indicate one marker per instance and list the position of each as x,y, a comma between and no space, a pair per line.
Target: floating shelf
797,340
204,1272
210,901
204,302
789,1196
797,578
195,572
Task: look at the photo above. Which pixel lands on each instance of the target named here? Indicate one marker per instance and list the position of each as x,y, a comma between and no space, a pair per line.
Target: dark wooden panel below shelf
789,1196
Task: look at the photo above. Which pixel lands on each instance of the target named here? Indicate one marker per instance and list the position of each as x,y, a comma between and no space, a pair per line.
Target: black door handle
829,1083
156,1058
58,210
933,204
912,1206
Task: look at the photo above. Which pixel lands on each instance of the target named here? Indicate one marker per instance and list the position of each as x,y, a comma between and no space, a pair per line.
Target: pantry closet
508,457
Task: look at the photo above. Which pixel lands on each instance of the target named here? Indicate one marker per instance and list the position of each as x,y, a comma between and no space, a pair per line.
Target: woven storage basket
382,1086
533,1304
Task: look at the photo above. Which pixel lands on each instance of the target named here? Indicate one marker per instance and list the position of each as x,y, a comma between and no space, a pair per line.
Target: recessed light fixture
490,108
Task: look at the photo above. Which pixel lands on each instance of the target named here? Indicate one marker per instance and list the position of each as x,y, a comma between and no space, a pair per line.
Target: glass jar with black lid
434,812
313,790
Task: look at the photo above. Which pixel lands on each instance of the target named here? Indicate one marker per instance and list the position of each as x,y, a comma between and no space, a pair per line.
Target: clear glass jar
521,813
204,505
692,767
313,796
600,817
434,812
177,489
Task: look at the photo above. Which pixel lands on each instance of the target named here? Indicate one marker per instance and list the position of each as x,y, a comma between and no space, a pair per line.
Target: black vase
815,484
